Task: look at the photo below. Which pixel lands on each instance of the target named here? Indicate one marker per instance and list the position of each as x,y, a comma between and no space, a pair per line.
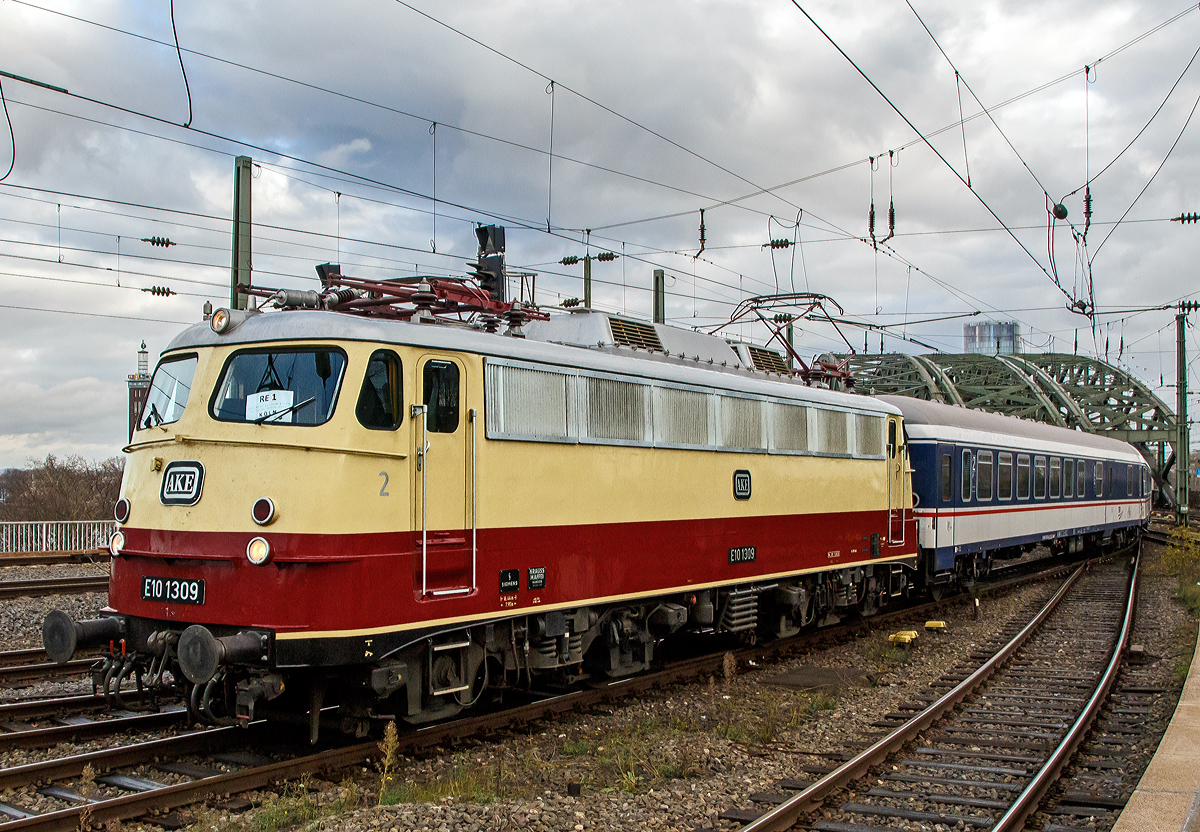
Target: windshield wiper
285,411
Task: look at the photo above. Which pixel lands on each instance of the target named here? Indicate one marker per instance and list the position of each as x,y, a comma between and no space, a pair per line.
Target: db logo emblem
182,484
741,485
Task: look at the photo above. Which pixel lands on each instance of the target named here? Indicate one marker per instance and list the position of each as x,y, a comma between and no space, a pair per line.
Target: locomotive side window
441,395
945,477
892,438
1039,477
282,386
1004,475
169,389
1022,476
381,400
1055,477
1068,478
1081,478
1099,479
983,476
966,476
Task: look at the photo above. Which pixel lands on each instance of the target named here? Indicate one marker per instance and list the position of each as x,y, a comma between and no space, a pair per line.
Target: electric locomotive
397,496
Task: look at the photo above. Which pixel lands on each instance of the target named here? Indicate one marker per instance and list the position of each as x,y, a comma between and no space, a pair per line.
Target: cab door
444,563
899,496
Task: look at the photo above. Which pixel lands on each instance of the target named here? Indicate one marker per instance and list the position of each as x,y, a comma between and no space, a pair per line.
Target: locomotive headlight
116,543
258,551
263,511
121,511
219,321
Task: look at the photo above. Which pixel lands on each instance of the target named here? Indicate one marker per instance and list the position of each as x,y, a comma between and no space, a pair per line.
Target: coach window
966,477
1055,477
983,476
1004,477
441,395
1128,480
945,478
381,400
1099,479
1081,478
1145,482
1068,478
1022,476
1039,477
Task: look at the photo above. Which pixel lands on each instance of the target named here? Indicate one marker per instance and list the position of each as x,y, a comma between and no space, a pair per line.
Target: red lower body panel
373,581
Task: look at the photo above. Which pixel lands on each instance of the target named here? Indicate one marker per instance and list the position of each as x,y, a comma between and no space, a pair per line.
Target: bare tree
61,489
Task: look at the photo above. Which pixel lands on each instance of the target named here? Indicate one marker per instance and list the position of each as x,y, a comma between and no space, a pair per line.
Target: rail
55,535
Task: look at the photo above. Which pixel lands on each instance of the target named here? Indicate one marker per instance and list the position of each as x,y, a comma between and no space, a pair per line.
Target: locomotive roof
924,419
310,325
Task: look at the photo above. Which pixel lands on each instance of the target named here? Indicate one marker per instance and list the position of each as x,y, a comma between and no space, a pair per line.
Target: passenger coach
989,486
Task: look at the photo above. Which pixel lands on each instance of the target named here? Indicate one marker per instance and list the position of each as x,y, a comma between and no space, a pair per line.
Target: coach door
899,500
944,522
442,431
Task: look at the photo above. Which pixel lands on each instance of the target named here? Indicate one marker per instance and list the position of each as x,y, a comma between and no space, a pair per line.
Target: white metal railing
55,535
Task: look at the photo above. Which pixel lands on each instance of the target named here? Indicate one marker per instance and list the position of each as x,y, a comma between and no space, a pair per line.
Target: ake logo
182,483
741,484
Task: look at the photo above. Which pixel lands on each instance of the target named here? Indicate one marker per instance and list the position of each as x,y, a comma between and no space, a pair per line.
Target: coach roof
932,420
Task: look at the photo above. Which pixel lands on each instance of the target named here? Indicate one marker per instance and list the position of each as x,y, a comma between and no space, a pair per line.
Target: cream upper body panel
342,478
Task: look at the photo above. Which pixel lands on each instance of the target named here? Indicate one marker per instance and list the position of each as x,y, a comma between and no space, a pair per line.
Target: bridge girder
1065,390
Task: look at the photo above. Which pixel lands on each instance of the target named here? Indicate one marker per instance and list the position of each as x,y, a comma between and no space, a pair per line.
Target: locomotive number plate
173,590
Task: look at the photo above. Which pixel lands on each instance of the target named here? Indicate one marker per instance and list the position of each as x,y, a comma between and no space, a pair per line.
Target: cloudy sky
383,130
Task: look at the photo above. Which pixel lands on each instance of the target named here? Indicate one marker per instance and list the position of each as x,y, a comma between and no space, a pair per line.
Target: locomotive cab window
1022,476
381,400
945,478
281,386
966,476
983,476
440,395
1039,477
1004,477
169,389
1068,478
1055,478
892,438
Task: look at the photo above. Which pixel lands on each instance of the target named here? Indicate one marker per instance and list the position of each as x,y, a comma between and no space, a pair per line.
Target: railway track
1024,710
53,586
189,765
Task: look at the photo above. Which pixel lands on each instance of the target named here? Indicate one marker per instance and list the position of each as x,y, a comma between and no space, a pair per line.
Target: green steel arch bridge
1070,391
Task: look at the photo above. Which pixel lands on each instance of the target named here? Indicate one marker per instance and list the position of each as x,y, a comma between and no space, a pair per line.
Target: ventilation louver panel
616,410
635,334
791,427
681,416
767,361
832,433
523,402
741,423
868,435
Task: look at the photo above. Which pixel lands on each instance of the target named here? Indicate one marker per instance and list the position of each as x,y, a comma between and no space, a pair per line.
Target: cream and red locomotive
370,497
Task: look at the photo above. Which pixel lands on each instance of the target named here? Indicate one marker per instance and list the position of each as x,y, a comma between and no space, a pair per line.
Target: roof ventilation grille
768,361
635,334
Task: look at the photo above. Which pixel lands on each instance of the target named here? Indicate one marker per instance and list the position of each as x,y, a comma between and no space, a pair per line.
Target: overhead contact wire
928,144
182,68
